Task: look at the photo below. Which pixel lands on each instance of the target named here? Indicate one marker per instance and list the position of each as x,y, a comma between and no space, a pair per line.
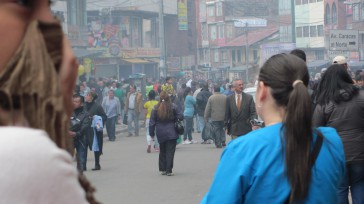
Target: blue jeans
198,127
81,147
201,122
110,127
132,116
188,128
355,180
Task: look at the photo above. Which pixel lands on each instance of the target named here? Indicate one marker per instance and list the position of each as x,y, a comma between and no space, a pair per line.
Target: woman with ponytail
161,123
287,161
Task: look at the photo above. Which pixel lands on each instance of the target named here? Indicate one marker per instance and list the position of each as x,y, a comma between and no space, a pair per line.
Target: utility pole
162,62
247,53
293,19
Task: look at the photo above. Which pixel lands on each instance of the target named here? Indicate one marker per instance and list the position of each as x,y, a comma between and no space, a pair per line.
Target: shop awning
136,61
82,53
318,64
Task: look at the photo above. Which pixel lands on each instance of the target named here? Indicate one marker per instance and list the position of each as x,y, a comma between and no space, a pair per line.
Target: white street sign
253,22
344,40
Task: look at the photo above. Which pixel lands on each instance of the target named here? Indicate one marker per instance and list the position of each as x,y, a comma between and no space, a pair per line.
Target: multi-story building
309,24
230,34
346,16
128,33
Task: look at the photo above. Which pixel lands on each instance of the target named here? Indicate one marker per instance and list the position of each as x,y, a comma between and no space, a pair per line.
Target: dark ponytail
164,107
288,77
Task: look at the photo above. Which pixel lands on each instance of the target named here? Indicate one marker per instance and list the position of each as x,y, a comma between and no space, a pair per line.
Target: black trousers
166,155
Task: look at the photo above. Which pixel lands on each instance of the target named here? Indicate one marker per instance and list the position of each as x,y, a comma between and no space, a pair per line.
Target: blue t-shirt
189,106
252,170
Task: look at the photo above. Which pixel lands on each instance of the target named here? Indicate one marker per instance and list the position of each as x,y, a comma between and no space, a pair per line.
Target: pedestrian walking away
215,113
188,116
149,105
201,102
288,154
162,125
340,104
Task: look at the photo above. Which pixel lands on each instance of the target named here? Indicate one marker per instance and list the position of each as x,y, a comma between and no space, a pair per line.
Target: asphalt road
130,175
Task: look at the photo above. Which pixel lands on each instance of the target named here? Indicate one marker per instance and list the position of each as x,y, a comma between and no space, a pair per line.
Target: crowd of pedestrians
217,111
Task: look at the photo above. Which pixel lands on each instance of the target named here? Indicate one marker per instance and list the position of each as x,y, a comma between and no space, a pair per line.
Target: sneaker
193,141
170,174
204,142
130,134
187,142
148,149
163,172
156,149
208,142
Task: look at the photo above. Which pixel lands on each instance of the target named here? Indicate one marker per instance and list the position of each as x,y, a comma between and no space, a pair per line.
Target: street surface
130,175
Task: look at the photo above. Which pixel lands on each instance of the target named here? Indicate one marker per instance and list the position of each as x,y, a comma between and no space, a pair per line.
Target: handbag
125,119
178,125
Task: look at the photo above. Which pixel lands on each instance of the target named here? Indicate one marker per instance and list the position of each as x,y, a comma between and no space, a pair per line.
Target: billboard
182,15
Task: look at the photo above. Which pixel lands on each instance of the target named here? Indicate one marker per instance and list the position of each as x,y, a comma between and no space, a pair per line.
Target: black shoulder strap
313,156
316,149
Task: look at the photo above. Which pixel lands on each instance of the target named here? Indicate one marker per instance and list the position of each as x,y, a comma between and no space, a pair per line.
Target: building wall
170,6
310,17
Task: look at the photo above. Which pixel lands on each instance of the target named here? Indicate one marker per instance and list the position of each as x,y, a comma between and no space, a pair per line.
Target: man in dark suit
240,109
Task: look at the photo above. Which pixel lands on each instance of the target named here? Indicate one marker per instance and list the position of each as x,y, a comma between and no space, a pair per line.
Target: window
362,12
298,2
204,32
312,1
233,55
334,14
229,30
327,14
219,9
355,12
284,7
239,55
306,30
285,33
224,56
320,30
221,31
216,57
299,32
210,10
213,33
313,31
304,1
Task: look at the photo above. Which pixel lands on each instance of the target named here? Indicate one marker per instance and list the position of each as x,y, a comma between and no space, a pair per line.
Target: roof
253,37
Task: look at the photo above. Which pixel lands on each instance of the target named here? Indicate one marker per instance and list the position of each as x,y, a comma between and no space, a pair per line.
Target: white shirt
35,171
132,101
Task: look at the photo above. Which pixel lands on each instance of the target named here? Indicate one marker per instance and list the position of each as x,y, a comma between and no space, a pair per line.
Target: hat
339,60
